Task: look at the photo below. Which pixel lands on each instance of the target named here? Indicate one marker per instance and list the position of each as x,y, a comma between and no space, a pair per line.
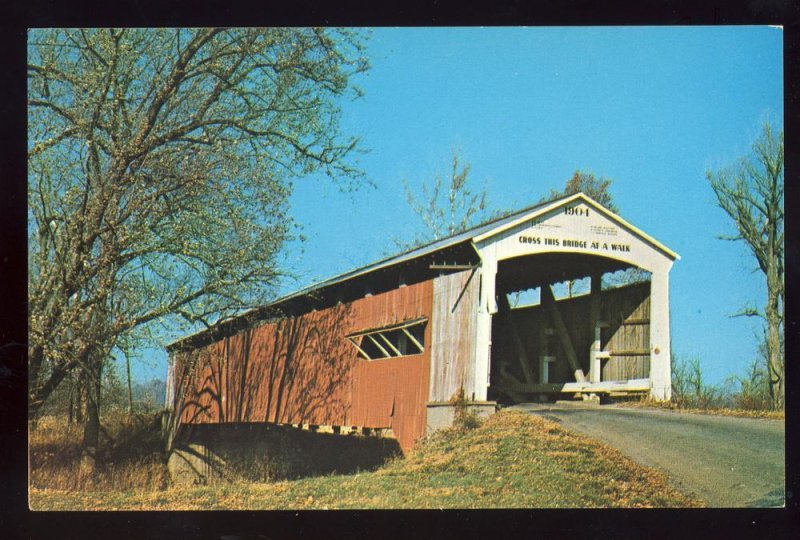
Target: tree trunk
91,431
35,360
775,361
70,404
130,390
37,396
79,398
775,364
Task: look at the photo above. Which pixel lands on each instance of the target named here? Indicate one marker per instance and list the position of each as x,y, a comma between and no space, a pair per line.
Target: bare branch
169,153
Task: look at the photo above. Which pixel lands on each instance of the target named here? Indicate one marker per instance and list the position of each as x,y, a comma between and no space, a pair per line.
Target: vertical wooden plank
594,318
621,305
544,348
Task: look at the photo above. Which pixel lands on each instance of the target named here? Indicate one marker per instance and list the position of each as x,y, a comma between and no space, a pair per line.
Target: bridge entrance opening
569,324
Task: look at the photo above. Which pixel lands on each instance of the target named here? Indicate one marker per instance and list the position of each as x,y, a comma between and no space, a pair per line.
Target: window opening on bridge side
524,298
627,276
403,339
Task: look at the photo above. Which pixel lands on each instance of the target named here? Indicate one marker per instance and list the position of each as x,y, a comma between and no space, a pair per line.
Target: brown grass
131,457
511,460
719,411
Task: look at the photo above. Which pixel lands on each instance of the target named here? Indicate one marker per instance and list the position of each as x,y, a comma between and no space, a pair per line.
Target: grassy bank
718,411
512,460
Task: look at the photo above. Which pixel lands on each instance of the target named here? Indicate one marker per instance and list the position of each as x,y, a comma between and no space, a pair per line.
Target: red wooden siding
304,370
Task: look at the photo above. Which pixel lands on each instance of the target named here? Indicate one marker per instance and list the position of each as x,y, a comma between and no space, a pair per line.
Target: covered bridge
385,347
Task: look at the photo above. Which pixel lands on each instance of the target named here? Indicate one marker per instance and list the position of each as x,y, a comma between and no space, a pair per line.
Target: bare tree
160,165
751,193
447,206
598,189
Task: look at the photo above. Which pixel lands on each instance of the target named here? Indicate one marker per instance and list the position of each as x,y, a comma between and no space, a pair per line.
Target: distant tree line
69,402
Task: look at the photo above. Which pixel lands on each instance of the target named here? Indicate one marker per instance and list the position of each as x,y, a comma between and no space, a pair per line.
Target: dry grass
719,411
130,456
511,460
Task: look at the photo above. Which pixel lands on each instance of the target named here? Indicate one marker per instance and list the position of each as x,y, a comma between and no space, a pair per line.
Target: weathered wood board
455,300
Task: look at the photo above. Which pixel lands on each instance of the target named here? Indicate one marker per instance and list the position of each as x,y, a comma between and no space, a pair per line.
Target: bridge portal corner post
660,353
486,308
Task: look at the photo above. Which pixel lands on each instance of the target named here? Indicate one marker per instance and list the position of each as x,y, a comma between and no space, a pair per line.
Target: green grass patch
511,460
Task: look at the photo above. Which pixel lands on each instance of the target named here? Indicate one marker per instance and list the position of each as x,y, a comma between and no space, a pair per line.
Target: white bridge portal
570,239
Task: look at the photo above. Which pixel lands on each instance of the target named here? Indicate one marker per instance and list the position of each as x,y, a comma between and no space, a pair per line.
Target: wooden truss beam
511,385
389,343
353,341
412,338
375,341
549,302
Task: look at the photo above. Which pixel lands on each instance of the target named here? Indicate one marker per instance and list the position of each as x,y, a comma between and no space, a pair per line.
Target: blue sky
651,108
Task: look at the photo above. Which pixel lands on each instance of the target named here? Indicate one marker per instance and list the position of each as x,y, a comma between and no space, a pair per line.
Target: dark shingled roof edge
413,253
410,254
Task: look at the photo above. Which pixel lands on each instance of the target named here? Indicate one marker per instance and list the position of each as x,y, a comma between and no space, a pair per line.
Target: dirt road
726,461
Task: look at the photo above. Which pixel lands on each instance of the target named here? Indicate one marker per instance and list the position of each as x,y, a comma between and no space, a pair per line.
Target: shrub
749,392
688,388
464,419
753,388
